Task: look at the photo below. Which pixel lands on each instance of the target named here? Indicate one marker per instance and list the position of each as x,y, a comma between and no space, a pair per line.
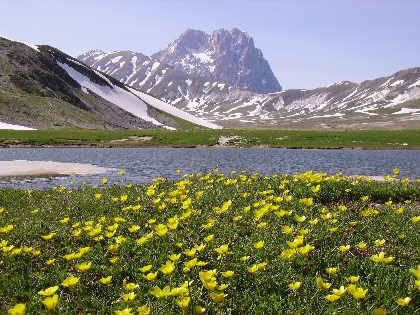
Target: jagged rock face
225,56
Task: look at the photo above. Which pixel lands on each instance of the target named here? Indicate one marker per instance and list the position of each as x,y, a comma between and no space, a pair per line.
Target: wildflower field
213,244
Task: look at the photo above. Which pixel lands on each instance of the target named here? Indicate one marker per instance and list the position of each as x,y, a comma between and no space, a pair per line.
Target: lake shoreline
217,146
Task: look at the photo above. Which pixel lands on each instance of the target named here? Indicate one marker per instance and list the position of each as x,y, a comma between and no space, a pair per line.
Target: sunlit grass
213,244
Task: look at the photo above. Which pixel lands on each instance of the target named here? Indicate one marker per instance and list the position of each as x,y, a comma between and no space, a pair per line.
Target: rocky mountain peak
226,56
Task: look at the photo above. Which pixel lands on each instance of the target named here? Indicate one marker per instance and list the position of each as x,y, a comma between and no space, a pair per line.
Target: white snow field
14,127
24,168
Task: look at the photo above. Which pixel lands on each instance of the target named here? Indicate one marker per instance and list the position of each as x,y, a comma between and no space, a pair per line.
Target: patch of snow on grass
324,116
14,127
406,111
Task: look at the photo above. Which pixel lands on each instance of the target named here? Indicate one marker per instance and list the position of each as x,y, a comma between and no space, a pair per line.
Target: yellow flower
49,291
217,297
321,284
84,266
175,257
143,310
70,281
416,272
18,309
209,238
98,196
49,236
168,267
106,280
114,260
65,220
183,303
145,268
51,302
379,242
332,297
130,286
305,249
128,297
287,229
113,248
416,219
228,274
358,293
50,262
404,301
314,221
381,258
259,244
344,248
331,270
159,293
150,276
353,279
295,286
199,309
245,258
126,311
339,291
300,219
133,228
361,245
379,311
161,229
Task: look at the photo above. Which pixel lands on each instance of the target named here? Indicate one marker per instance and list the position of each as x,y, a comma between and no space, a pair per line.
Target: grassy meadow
367,139
213,244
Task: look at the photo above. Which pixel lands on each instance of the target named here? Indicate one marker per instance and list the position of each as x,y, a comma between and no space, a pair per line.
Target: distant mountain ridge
377,103
224,56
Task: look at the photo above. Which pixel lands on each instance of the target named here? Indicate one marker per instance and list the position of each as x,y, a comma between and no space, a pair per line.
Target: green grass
375,139
243,210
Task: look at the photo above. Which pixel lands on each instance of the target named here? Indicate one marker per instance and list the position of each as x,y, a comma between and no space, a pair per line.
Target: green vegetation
373,139
213,244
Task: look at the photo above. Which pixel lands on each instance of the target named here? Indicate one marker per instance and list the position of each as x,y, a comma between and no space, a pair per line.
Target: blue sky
308,44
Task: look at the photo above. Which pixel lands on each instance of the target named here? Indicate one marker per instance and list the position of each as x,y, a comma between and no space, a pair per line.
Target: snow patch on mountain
114,94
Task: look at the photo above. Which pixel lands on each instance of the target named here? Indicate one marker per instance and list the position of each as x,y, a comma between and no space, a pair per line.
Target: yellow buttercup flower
217,297
130,286
331,270
84,266
143,310
259,244
51,302
332,297
380,242
344,248
168,267
321,284
126,311
145,268
106,280
70,281
150,276
228,274
295,286
128,297
404,301
379,311
49,291
18,309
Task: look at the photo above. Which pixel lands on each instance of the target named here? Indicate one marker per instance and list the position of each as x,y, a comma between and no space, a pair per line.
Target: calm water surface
143,164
